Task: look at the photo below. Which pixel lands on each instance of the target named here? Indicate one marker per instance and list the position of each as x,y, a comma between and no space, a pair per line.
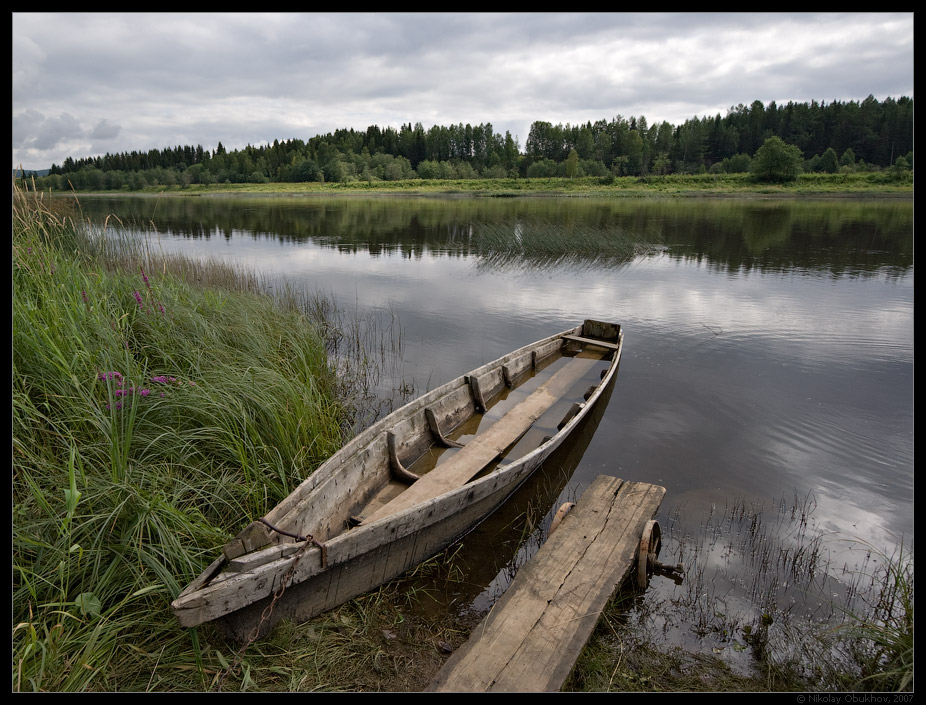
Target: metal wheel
650,543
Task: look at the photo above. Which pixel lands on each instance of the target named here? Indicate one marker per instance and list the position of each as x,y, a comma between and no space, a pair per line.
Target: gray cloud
105,130
34,131
122,82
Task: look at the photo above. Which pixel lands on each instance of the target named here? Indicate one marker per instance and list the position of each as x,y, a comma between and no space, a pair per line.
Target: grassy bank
159,404
152,418
869,184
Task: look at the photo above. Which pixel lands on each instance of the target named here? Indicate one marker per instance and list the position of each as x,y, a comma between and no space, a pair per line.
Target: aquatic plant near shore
879,637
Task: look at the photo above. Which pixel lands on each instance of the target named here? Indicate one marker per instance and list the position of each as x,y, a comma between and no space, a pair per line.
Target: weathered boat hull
368,570
346,563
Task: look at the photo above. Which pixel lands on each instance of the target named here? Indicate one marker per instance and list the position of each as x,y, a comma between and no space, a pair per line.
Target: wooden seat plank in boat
531,639
592,341
469,460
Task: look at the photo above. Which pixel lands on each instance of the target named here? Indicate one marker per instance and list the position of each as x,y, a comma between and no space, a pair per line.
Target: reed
879,635
151,419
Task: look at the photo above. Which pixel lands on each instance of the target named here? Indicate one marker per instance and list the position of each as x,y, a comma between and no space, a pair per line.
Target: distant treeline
17,172
866,135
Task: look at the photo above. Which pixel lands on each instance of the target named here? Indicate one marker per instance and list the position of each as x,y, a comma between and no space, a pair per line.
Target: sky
87,84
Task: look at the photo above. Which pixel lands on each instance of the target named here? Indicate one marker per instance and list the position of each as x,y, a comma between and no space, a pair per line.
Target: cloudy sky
87,84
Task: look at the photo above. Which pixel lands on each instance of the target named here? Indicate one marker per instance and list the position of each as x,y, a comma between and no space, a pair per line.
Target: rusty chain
268,610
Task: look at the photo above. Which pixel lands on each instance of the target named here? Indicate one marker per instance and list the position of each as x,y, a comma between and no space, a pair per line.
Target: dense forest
866,135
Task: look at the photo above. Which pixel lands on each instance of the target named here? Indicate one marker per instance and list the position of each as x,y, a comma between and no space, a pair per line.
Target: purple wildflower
83,295
145,392
138,300
145,278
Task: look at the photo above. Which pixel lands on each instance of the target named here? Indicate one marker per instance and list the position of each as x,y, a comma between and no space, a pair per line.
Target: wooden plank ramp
530,640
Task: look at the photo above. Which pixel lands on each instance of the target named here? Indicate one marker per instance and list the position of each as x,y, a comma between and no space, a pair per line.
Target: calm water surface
768,344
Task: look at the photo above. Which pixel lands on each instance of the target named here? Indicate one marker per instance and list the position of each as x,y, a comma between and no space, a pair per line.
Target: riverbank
849,185
158,404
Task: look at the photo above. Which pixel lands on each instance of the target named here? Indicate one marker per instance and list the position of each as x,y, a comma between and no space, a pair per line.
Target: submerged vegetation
160,403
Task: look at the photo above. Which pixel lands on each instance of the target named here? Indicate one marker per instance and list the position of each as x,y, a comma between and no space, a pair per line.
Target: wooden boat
407,487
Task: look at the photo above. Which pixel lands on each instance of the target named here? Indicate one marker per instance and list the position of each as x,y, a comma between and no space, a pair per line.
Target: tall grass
151,419
879,636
